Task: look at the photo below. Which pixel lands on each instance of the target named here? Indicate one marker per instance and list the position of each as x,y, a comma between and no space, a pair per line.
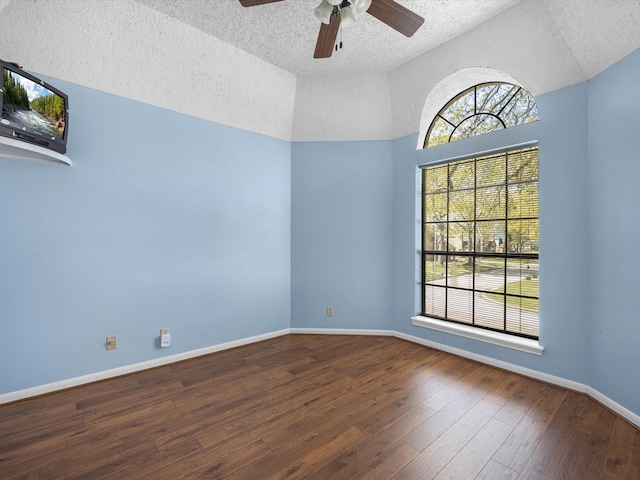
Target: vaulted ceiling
284,33
253,68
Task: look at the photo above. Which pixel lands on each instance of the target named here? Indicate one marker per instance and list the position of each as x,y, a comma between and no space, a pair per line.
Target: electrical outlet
112,342
165,338
329,311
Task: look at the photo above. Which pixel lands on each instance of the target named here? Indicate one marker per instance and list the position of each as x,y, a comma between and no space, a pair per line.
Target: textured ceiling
597,31
284,33
253,68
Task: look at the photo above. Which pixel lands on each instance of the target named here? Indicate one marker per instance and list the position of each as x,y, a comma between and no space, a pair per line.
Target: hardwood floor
318,407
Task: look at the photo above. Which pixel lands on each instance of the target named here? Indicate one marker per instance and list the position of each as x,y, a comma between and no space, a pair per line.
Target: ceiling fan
334,13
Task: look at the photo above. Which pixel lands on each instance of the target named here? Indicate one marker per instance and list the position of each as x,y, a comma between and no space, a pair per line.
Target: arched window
479,249
481,109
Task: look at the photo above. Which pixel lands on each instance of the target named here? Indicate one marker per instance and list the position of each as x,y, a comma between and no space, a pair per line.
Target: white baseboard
623,412
527,372
342,331
136,367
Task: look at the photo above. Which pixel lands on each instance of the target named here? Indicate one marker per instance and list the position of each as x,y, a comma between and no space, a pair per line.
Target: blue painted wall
342,217
614,231
164,221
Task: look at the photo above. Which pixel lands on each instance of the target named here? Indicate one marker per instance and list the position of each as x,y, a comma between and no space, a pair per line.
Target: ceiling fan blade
327,37
396,16
253,3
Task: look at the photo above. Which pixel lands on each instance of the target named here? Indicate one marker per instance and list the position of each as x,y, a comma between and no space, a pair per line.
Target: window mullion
446,249
423,255
472,250
506,235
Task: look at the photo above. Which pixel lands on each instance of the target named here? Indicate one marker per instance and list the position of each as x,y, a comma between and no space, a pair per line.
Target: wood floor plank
254,425
33,475
453,383
124,463
214,420
623,452
473,457
105,400
442,450
423,435
312,460
378,417
42,414
375,454
25,451
340,409
610,476
389,463
283,420
521,402
517,448
585,456
76,455
317,407
214,464
496,471
547,458
313,428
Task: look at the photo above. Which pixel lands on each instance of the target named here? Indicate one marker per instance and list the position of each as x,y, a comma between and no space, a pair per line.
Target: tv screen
32,110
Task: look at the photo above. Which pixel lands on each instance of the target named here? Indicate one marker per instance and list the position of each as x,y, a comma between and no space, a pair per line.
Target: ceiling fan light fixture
323,11
347,18
335,14
361,6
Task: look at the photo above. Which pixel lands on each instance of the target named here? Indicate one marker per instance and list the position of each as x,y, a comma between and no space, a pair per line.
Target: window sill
502,339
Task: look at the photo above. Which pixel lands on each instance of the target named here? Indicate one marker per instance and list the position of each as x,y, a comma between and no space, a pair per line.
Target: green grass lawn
460,266
523,287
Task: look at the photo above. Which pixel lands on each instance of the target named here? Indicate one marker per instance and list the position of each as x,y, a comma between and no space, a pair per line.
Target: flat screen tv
32,110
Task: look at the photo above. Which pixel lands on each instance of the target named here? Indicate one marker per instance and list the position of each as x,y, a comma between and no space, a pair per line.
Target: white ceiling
285,33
